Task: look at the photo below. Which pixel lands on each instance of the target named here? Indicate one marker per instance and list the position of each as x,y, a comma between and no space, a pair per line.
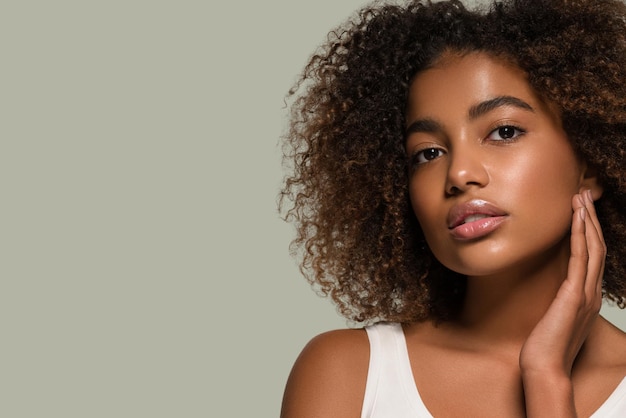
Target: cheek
426,193
539,189
552,173
430,216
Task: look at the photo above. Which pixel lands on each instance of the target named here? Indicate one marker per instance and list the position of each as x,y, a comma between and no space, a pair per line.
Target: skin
531,177
529,340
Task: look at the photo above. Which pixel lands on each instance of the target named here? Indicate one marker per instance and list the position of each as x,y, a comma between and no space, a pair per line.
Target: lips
474,219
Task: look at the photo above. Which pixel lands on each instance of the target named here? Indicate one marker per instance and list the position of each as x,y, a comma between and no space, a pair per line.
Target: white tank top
391,392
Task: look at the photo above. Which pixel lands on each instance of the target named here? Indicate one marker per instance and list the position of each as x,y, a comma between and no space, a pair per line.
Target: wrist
548,394
546,376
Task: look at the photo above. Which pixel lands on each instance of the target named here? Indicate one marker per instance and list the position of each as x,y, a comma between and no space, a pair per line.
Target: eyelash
519,132
420,155
415,158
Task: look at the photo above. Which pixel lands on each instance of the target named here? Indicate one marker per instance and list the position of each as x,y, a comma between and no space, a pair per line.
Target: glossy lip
478,228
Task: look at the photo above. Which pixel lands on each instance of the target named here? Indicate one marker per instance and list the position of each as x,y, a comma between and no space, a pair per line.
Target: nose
466,169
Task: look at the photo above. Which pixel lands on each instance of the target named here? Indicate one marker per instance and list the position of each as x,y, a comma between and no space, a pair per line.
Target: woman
452,170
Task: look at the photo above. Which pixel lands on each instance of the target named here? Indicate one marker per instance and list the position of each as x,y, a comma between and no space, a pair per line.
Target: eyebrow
430,125
423,125
491,104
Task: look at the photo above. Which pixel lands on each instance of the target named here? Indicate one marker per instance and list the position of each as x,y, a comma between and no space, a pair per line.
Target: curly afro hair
347,192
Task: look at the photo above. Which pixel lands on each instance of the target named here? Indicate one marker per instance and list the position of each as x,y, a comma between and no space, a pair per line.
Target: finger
596,249
591,208
579,255
594,230
595,266
578,201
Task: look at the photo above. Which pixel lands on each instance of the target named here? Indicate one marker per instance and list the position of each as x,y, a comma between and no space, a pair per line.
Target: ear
591,181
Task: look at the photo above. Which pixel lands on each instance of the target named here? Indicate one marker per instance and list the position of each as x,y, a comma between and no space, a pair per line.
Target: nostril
454,190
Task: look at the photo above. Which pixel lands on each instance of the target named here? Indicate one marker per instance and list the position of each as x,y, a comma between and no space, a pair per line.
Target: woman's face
492,171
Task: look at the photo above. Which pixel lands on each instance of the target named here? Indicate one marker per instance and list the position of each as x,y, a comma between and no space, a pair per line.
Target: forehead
462,80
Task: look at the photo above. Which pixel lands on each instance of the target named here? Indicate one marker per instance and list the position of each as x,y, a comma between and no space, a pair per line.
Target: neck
504,308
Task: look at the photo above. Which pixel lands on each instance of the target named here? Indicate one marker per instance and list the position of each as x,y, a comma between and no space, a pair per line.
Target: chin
509,262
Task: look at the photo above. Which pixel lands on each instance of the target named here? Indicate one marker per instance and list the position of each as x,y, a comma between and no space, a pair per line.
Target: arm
328,378
548,355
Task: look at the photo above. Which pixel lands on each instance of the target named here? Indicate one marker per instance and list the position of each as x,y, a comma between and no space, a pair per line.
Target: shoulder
601,366
328,378
618,344
614,343
605,351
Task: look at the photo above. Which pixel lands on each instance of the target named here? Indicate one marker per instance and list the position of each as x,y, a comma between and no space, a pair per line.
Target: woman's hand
547,356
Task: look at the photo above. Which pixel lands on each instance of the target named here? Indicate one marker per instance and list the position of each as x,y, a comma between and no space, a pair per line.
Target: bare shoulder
614,343
617,343
606,353
328,378
602,366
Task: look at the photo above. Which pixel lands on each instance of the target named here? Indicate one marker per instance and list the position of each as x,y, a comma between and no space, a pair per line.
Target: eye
426,155
505,133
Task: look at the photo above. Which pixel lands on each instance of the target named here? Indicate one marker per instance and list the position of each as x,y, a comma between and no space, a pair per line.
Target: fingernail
583,213
589,196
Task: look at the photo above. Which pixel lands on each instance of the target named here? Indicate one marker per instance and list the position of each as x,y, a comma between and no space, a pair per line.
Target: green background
145,271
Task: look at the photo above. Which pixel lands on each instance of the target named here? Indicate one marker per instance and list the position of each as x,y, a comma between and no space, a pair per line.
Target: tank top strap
390,389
